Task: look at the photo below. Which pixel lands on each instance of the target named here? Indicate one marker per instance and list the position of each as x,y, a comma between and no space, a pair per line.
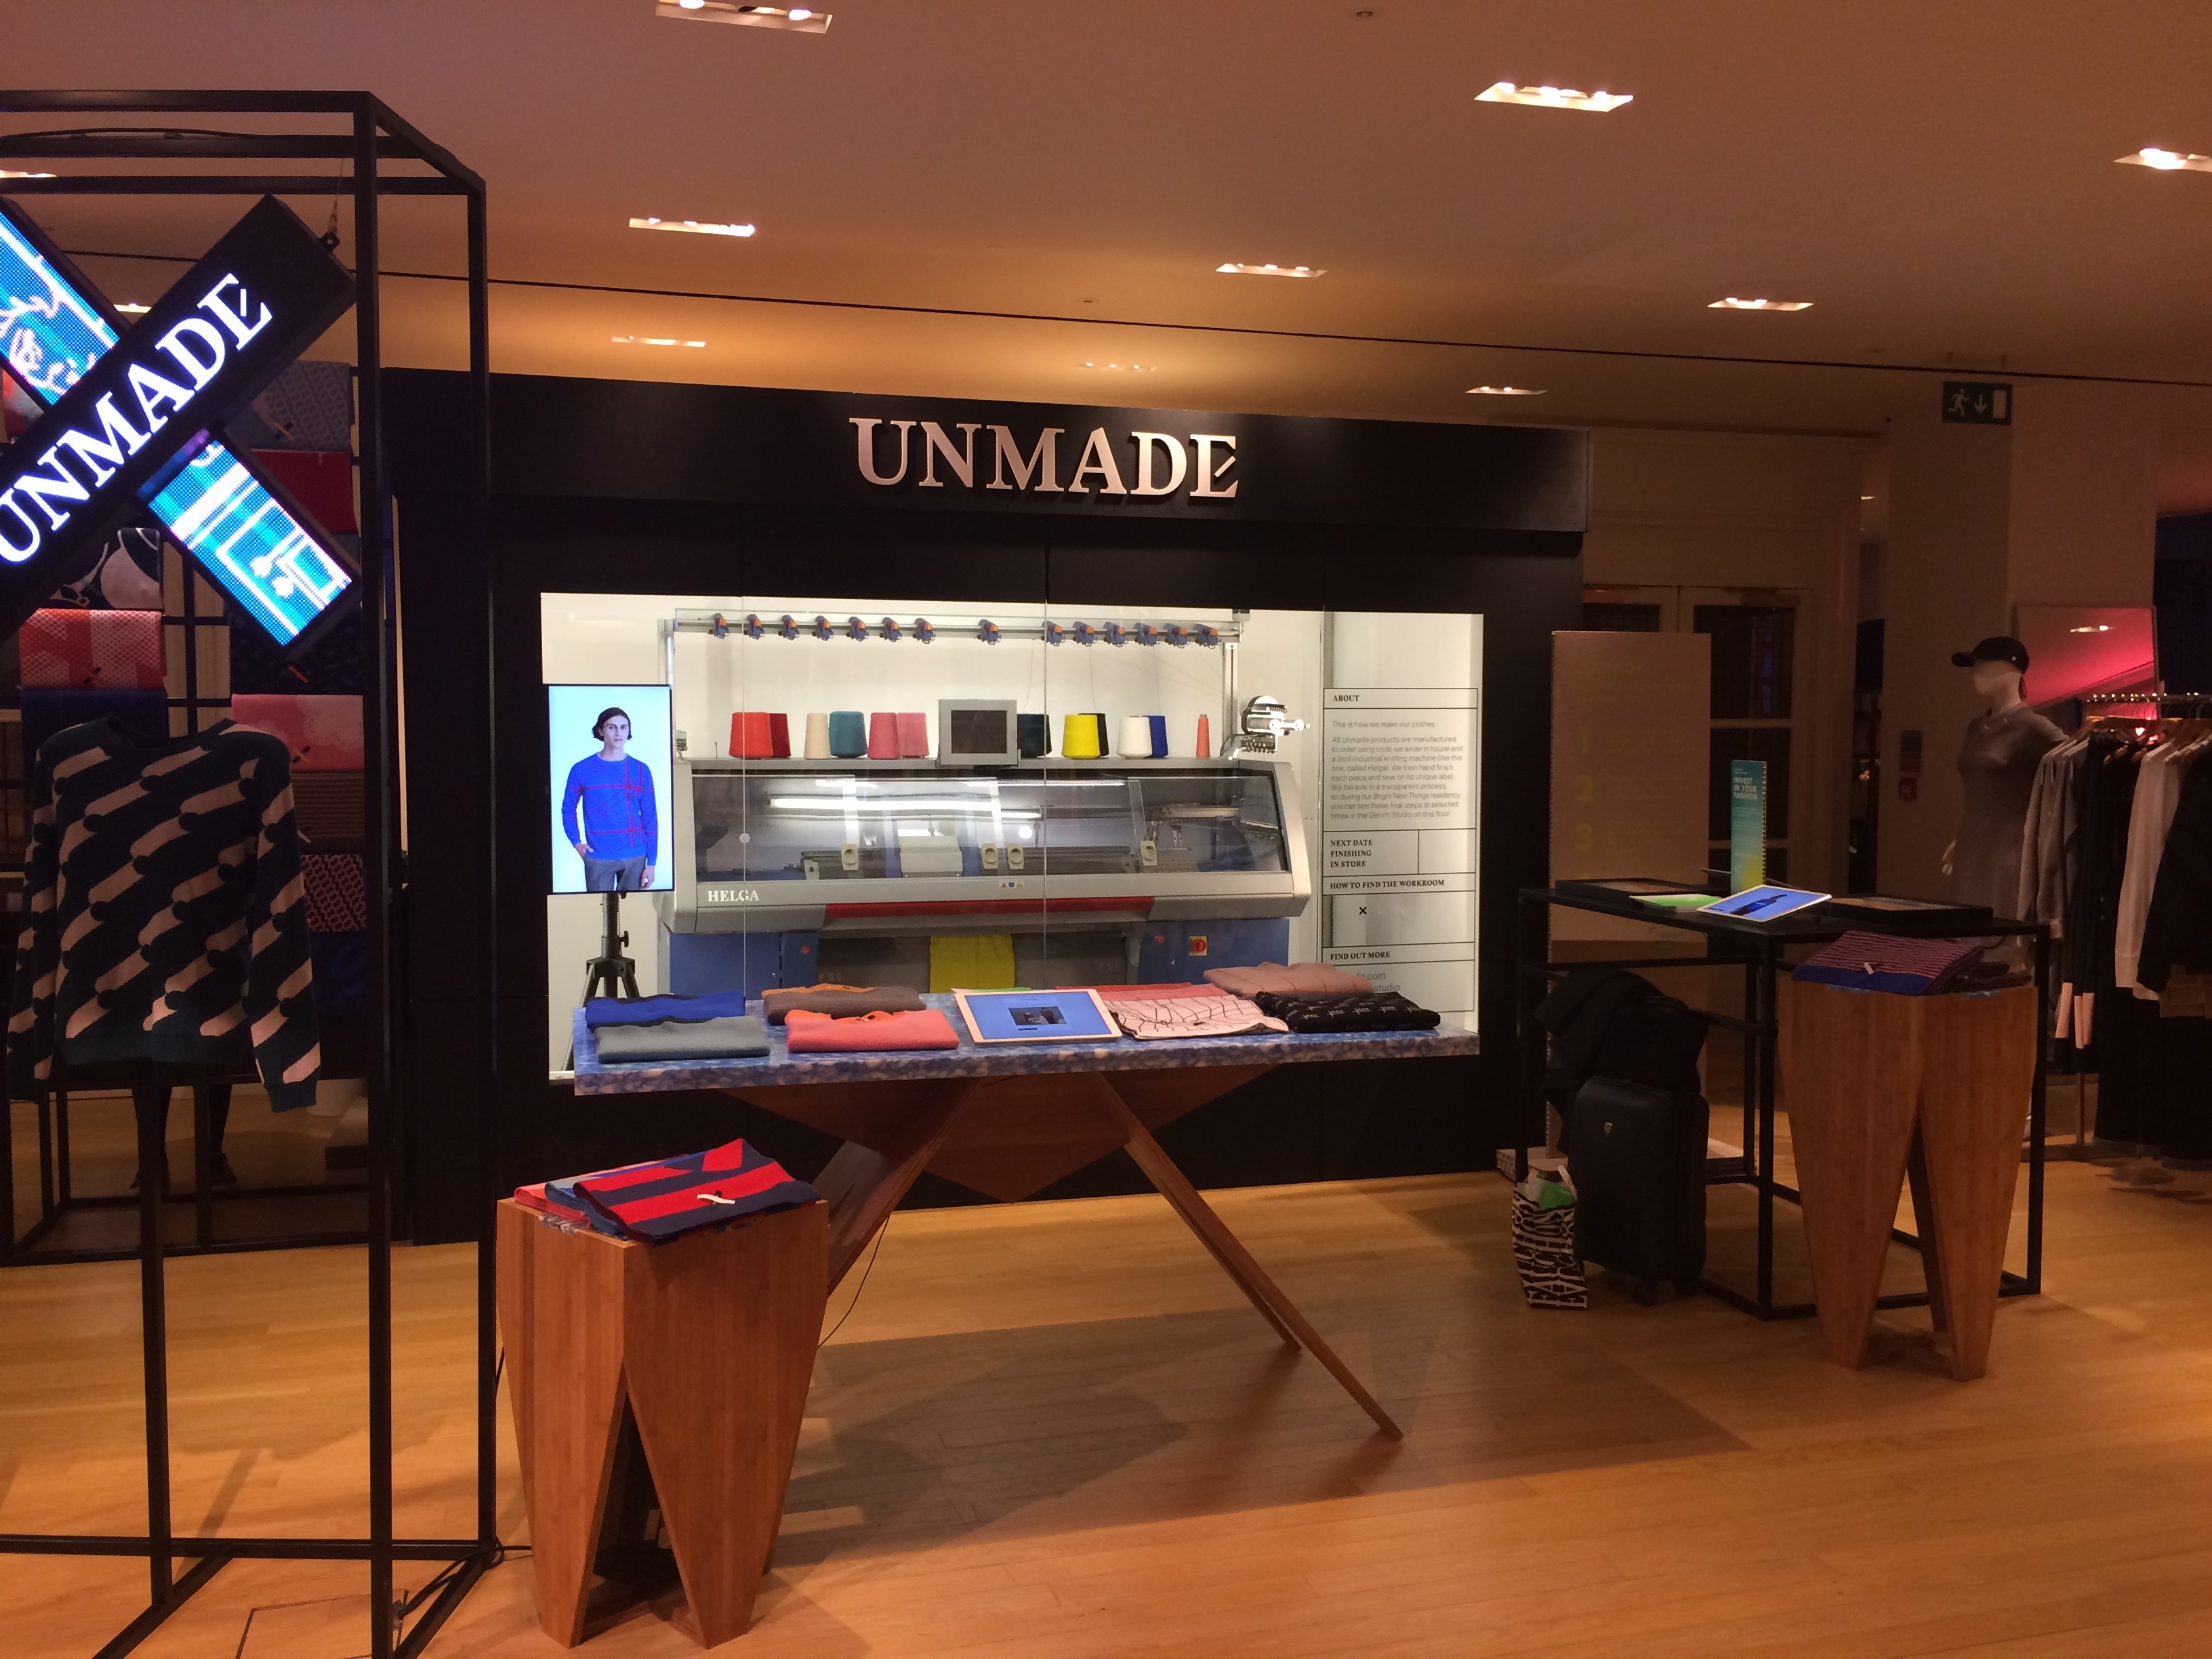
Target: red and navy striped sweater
672,1197
163,914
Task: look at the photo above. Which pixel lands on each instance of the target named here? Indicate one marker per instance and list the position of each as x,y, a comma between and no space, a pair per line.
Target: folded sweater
652,1010
1151,1018
1368,1011
840,1000
813,1033
1298,979
736,1037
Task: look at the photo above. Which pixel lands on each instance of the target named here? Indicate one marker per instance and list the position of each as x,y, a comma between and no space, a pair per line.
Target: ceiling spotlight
132,308
6,173
695,226
1554,98
655,340
1505,391
802,18
1131,368
1269,271
1866,498
1734,304
2167,160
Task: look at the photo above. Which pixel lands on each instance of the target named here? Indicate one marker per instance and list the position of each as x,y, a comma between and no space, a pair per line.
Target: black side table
1761,951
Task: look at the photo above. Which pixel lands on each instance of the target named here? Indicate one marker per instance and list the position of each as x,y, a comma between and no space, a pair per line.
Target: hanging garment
319,481
337,892
93,650
2157,791
2103,794
2046,849
165,917
2178,927
324,734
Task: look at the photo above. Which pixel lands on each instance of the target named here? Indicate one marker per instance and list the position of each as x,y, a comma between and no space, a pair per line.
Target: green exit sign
1978,402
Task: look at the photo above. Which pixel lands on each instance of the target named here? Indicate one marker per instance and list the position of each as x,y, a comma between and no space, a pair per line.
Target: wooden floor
1057,1430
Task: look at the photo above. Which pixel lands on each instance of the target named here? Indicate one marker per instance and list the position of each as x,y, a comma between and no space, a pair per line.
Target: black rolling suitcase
1638,1167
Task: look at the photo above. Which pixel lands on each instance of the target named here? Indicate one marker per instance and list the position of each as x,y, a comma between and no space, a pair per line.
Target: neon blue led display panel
274,563
257,552
49,332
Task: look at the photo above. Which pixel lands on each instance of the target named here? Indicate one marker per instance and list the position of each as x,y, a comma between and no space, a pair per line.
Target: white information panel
1401,804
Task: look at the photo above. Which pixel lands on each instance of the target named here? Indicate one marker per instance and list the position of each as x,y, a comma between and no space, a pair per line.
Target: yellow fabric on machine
971,962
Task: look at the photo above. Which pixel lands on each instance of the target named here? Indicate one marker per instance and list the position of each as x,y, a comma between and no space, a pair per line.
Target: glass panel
820,825
1751,656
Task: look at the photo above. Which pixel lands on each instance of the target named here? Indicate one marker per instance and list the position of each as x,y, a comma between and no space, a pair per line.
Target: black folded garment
1349,1011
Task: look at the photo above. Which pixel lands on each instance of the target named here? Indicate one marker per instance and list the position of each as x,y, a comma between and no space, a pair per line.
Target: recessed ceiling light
1505,391
132,308
802,18
6,173
2167,160
1269,271
654,340
1866,498
1126,368
1554,98
1734,304
694,226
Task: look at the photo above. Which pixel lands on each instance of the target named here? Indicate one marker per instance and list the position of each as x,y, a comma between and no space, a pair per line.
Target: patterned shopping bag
1544,1251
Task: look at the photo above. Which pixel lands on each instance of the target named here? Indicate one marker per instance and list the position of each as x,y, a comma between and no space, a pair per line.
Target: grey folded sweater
733,1036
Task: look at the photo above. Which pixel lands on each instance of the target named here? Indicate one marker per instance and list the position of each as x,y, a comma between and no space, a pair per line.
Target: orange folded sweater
810,1033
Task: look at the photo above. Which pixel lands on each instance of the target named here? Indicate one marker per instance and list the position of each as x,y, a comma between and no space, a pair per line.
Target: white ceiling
1938,179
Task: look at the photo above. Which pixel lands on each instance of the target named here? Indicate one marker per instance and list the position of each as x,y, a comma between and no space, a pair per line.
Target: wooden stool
1880,1087
667,1378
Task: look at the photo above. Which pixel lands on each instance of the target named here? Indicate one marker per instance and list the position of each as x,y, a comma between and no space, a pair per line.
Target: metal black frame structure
378,155
1757,949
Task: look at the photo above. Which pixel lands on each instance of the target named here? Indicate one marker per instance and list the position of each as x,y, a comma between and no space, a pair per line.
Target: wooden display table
667,1378
1010,1120
1881,1088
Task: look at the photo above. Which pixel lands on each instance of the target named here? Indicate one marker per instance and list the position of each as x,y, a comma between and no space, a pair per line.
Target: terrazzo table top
779,1067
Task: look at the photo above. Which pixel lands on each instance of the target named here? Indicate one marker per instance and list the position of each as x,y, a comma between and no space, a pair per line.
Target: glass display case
804,845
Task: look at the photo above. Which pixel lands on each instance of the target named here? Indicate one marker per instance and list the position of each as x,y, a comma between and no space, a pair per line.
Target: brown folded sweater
840,1001
1300,979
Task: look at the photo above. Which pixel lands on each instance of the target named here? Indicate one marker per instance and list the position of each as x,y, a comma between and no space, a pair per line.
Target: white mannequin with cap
1997,762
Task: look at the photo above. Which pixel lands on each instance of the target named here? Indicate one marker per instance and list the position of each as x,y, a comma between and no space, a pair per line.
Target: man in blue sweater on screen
608,811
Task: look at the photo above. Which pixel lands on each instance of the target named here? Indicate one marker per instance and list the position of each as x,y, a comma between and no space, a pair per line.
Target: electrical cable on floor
865,1271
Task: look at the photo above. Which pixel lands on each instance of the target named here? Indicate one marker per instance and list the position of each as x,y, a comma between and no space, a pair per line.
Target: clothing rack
2199,703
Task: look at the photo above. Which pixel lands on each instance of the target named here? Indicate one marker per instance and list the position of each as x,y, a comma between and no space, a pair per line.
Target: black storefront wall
620,487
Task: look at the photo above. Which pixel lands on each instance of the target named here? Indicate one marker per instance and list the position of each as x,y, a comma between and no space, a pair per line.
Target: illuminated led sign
131,413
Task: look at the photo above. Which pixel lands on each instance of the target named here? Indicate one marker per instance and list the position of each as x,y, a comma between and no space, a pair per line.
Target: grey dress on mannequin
1998,763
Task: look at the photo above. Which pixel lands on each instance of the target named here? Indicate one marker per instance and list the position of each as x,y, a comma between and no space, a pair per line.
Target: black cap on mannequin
1998,648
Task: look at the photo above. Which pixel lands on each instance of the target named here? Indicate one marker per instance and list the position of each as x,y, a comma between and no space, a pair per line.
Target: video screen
612,763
